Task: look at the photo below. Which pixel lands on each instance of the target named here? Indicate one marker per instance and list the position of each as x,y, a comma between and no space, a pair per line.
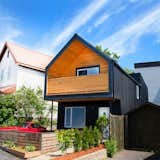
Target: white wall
30,78
8,66
151,76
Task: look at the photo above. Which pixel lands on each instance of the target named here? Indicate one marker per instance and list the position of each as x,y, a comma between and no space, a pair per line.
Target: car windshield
24,125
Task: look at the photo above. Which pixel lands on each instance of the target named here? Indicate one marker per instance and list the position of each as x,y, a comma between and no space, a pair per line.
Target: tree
29,103
7,110
106,51
128,71
114,56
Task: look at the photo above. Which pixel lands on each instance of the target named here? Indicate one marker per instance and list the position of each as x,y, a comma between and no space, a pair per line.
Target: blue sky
128,27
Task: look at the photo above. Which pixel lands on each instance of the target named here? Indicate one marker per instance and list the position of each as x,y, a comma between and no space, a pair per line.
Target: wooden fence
42,141
117,129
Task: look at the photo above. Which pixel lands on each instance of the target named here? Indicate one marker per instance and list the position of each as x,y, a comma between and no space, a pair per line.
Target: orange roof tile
27,57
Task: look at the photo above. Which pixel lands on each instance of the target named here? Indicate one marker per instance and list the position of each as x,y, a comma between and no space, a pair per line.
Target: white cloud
101,20
126,39
50,43
8,31
98,22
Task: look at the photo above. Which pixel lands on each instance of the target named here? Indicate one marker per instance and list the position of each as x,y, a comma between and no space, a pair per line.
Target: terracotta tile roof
8,89
27,57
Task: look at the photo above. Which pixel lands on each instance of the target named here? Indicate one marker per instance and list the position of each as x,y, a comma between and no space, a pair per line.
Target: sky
130,28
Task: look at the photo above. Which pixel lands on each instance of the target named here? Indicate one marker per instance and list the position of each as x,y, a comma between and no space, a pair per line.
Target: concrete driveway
6,156
134,155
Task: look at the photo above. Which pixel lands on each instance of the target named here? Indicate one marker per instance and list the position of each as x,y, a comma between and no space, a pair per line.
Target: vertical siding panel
125,91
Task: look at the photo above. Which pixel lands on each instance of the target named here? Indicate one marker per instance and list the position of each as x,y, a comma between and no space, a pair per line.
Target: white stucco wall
151,76
9,69
30,78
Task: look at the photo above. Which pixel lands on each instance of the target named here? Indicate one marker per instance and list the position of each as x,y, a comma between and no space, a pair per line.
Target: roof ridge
21,46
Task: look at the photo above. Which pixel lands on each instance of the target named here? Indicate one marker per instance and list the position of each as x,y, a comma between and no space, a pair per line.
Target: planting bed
75,155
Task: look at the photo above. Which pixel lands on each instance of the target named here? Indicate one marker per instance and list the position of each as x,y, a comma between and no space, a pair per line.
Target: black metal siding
125,91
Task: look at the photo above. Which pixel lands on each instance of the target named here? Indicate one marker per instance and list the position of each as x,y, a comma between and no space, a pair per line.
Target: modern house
151,75
21,66
87,83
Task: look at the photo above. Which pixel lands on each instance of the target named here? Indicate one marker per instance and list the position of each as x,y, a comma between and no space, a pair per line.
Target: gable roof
106,57
76,36
26,57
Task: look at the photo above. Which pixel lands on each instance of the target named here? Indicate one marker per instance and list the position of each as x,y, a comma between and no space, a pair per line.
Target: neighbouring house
86,83
151,75
21,66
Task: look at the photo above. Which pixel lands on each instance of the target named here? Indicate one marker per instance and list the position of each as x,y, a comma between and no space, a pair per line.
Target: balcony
78,85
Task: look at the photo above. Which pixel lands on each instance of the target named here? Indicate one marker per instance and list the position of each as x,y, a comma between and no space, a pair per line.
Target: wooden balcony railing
78,84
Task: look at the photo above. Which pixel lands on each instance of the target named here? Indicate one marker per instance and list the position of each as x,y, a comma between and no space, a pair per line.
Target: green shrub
97,136
65,138
77,143
111,146
9,144
30,148
102,123
91,137
85,142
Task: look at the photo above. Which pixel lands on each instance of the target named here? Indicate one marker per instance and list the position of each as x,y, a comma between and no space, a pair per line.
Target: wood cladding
61,76
76,55
78,84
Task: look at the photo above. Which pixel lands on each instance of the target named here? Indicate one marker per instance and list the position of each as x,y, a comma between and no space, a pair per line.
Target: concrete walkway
134,155
7,156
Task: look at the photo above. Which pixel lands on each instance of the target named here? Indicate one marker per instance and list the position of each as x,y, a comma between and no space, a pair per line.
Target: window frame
87,67
138,92
71,116
8,53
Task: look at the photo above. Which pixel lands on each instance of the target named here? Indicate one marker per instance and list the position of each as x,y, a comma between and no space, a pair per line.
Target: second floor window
88,71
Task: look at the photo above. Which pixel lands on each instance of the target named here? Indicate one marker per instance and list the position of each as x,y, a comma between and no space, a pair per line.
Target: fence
42,141
117,129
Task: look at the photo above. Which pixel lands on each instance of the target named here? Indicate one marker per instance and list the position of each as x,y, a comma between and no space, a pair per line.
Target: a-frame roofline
87,44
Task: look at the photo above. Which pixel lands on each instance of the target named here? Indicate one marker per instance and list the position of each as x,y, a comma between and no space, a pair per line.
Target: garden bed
19,152
72,156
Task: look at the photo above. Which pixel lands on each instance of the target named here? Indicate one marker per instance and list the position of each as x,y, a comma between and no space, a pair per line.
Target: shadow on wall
157,97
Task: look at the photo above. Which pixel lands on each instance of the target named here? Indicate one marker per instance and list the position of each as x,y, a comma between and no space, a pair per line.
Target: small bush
102,123
85,142
77,143
111,146
90,137
97,136
65,138
9,144
30,148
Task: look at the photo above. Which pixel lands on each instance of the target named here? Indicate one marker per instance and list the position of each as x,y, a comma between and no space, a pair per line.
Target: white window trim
71,126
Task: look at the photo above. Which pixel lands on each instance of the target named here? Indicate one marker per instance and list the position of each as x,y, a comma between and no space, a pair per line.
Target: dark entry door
144,128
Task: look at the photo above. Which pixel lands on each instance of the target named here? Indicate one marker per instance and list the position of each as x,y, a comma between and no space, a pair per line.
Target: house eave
94,96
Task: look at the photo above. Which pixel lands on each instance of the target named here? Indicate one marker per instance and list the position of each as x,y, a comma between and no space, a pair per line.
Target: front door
105,111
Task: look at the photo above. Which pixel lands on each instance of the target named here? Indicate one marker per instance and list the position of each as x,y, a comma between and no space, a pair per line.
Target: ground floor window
75,117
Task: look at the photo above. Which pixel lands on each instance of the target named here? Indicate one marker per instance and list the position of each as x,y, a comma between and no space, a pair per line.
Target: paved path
134,155
6,156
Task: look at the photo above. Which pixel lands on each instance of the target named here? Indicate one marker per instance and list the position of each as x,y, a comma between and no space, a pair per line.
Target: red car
26,127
